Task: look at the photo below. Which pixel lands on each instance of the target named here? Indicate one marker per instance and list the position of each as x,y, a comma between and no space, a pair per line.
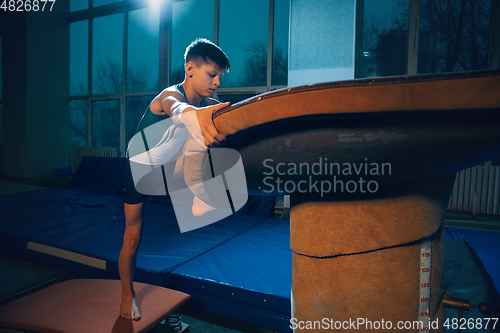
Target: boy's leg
134,216
194,160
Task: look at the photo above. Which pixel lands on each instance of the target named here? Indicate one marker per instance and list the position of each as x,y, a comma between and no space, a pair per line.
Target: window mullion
89,80
89,122
413,32
359,35
494,43
124,81
270,45
165,41
124,55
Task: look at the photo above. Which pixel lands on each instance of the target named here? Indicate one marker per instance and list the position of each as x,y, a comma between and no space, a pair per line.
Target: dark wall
35,61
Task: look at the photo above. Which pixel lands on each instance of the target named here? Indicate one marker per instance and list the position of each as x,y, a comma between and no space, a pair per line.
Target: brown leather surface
423,126
86,305
436,93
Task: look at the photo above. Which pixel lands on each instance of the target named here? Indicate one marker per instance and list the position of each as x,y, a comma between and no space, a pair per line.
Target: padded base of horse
360,259
86,305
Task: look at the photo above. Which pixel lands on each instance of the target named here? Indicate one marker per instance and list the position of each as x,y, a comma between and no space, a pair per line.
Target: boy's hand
200,126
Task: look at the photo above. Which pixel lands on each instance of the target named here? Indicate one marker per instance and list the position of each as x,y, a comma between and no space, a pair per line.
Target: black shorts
131,196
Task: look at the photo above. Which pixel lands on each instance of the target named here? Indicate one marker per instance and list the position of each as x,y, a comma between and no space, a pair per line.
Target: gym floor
20,278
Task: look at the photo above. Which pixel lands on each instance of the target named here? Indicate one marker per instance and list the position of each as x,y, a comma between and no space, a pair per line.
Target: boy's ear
190,68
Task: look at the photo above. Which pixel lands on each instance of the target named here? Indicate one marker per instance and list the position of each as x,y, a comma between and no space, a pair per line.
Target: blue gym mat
80,229
252,270
487,247
239,267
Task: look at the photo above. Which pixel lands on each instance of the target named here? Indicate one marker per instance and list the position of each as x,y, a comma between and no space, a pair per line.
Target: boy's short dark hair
203,49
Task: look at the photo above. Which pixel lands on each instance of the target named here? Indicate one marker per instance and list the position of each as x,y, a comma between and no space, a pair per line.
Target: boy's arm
195,119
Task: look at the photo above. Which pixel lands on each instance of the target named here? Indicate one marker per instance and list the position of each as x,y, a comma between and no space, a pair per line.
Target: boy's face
205,78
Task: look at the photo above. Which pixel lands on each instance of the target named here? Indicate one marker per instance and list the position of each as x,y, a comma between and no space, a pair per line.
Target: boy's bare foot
199,207
129,309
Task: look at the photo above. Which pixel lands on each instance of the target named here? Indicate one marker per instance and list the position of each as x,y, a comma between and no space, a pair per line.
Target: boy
205,63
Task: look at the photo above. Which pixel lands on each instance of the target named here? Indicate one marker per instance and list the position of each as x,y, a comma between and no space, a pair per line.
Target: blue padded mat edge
93,224
262,251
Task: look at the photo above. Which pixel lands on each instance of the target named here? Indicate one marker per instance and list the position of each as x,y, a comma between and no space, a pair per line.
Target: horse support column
356,263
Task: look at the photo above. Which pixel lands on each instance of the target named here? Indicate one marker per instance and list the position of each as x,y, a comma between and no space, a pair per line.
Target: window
107,54
106,124
280,42
136,106
76,5
246,46
385,38
79,58
78,134
143,49
454,35
425,36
